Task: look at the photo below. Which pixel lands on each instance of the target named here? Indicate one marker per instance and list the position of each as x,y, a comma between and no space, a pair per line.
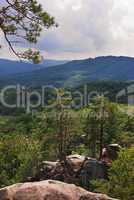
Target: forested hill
80,71
11,67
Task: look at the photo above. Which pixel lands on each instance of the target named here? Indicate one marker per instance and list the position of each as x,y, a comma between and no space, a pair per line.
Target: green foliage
61,133
102,125
121,177
26,139
32,55
126,139
24,20
19,158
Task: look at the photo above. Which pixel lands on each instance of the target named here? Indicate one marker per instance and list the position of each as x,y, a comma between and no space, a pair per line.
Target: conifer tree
23,20
63,133
101,124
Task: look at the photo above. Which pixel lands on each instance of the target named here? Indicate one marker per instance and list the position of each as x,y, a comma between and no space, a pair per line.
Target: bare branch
10,45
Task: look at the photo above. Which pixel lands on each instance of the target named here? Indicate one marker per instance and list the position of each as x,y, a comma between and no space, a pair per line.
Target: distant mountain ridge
10,67
77,72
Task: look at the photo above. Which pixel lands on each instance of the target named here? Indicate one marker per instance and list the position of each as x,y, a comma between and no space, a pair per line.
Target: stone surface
92,169
48,190
76,169
113,150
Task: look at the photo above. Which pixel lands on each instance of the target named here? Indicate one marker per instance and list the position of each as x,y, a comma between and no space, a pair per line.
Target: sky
87,28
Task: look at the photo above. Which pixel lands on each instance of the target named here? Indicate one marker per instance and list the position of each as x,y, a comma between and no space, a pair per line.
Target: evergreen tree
101,125
64,133
24,20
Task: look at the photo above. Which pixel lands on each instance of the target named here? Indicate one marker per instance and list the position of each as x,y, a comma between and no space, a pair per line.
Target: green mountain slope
78,72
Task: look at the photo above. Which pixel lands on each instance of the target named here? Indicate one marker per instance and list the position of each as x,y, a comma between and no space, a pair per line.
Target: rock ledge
48,190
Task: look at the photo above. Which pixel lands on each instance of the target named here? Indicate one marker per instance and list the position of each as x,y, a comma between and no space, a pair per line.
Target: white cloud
89,28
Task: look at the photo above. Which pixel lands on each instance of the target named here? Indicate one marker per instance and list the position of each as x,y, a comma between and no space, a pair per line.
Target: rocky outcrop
113,150
48,190
75,169
78,169
92,169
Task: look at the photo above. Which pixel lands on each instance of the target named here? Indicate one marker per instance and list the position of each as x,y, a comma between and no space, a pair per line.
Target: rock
113,150
92,169
76,161
110,153
105,157
48,190
76,169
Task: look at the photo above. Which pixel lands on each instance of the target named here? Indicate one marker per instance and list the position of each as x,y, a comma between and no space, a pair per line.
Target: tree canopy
121,177
24,20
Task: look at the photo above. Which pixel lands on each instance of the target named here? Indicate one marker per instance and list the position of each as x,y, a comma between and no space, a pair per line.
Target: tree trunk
101,139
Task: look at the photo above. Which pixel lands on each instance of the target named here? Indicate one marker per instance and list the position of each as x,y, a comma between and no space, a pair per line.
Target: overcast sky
87,28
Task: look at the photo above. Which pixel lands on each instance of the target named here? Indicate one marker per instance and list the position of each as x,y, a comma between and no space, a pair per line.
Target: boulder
48,190
76,161
113,150
92,169
76,169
